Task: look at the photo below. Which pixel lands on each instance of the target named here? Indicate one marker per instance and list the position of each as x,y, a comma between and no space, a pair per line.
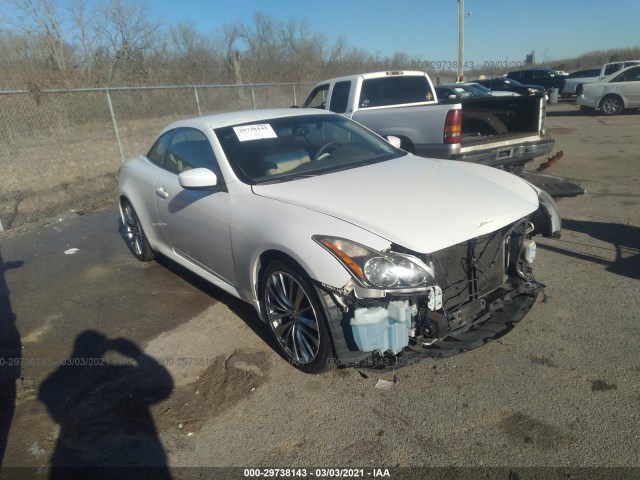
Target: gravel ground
560,390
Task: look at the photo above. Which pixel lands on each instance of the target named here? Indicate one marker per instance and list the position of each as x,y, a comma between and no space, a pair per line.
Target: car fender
263,225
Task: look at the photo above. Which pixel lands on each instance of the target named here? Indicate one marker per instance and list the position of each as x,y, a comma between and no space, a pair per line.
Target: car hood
422,204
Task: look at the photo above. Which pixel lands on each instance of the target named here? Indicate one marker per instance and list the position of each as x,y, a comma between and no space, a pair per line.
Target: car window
632,75
443,92
340,97
282,149
159,149
318,97
611,68
190,148
395,90
585,73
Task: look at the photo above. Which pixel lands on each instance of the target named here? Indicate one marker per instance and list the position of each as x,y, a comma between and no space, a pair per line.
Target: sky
495,30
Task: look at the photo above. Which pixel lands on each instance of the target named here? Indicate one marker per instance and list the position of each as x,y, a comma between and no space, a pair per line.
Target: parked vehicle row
569,84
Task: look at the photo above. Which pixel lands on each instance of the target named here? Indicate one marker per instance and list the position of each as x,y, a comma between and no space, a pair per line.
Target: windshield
478,88
283,149
461,91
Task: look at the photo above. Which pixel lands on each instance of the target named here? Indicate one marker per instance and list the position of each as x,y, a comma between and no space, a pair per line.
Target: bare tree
82,17
125,33
185,38
301,49
41,21
337,51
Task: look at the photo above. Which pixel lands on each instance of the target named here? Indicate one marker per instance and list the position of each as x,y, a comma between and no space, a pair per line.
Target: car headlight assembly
374,269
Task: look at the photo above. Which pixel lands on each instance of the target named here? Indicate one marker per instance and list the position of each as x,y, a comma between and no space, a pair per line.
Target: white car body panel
407,206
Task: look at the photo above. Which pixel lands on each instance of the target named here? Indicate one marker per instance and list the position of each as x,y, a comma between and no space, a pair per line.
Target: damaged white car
352,250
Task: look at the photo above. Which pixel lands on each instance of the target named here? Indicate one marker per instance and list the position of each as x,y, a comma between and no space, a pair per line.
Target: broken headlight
371,268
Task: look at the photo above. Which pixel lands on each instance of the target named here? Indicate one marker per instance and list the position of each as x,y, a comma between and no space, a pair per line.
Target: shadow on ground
103,409
240,308
10,356
625,240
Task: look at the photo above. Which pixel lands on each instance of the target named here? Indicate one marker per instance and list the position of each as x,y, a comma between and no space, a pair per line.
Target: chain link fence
60,150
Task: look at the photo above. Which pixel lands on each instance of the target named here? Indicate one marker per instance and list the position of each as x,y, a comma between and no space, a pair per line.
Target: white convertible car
352,250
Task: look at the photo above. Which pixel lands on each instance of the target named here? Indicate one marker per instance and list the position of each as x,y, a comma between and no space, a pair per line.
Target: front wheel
136,237
611,105
295,317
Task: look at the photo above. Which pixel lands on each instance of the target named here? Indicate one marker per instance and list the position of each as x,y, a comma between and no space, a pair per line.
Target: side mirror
198,178
452,97
395,141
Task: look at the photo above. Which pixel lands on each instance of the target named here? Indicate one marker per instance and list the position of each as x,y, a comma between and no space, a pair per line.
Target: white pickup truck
503,132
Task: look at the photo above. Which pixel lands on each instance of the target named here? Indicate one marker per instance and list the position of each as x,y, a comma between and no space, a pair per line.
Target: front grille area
470,269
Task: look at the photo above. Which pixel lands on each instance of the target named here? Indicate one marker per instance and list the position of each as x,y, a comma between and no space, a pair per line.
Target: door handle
161,192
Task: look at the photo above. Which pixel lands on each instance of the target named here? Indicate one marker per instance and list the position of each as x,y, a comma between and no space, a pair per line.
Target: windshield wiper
361,163
296,176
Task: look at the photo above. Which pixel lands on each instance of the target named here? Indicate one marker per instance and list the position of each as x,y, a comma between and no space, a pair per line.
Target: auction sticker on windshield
254,132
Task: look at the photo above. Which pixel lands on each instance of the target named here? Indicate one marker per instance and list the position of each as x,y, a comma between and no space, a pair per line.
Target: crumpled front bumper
503,312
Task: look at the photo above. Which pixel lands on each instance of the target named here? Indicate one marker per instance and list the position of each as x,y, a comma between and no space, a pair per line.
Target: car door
196,222
629,87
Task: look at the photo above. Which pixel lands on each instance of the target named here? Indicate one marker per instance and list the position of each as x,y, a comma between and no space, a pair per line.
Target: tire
135,236
611,105
407,146
295,317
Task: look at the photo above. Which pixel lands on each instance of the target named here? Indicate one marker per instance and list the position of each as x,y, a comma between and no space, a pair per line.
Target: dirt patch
523,429
602,386
83,194
545,362
228,380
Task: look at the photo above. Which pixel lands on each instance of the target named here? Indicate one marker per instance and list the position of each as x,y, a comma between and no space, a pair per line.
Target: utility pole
460,39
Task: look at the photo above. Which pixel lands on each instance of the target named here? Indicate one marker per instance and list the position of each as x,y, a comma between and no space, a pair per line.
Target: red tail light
453,127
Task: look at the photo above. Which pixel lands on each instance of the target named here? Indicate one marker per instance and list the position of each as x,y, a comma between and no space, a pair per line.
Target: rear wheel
136,237
295,317
611,105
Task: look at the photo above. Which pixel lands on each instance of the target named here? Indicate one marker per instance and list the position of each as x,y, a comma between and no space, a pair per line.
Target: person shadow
103,409
10,356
